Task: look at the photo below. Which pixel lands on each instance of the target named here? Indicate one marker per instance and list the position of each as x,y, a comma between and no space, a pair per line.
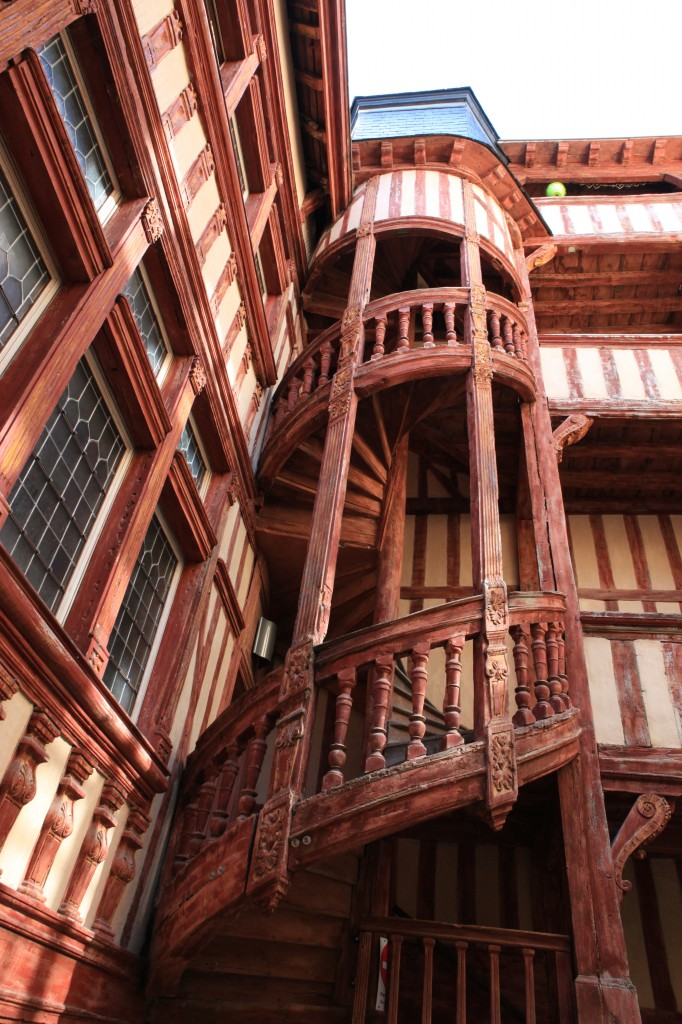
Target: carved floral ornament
497,605
271,838
297,672
342,389
502,768
152,221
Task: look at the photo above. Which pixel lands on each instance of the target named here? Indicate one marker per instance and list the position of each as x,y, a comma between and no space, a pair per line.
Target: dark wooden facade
388,396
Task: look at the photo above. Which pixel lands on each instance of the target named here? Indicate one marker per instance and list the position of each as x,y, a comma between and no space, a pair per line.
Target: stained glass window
56,500
71,106
23,274
132,638
148,325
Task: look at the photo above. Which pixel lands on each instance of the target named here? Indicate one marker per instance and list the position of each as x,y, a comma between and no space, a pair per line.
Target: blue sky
577,69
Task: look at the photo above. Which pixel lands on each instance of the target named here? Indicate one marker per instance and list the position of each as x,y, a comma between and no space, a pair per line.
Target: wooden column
491,671
392,537
297,692
604,990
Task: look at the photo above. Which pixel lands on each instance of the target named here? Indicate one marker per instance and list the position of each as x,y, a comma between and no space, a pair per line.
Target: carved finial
152,221
646,819
197,376
572,430
540,256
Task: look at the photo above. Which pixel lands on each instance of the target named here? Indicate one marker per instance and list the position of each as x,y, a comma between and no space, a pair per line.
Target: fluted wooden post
337,751
529,978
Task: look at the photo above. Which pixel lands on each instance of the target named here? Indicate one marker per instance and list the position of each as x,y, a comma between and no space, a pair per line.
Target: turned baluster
379,337
255,753
427,325
381,681
403,329
524,345
452,713
226,780
508,335
204,804
281,411
293,393
308,376
417,726
552,644
542,709
516,336
524,715
494,329
189,817
325,362
337,750
561,642
449,313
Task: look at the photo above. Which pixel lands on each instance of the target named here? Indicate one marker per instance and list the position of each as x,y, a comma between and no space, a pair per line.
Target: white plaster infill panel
554,373
603,691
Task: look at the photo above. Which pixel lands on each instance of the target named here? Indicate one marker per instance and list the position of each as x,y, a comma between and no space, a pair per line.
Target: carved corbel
93,851
572,430
646,819
543,254
152,221
501,774
268,878
58,824
122,871
19,784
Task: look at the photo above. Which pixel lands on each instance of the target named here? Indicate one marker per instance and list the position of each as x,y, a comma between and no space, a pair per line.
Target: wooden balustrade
421,319
374,653
221,779
519,975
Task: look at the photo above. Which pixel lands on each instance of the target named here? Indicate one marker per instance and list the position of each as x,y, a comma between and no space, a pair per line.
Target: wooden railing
520,975
221,779
422,319
542,689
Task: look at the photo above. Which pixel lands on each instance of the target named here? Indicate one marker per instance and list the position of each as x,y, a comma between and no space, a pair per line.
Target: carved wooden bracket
647,818
122,869
572,430
502,779
538,257
268,877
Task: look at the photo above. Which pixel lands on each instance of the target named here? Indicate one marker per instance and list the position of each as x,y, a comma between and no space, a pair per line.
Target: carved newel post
491,704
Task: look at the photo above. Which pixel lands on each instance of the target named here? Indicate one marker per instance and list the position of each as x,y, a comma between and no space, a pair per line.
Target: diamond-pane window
23,274
132,638
71,106
189,446
55,501
145,317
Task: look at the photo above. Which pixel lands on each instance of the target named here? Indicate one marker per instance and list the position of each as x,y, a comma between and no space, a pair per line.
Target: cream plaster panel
148,13
170,77
228,307
18,711
245,581
592,373
456,200
592,606
95,890
178,725
581,218
466,693
610,221
656,555
207,679
669,607
292,127
660,710
383,197
237,350
436,552
619,553
634,939
630,606
603,690
446,882
233,519
336,230
487,886
432,190
554,219
224,670
676,523
632,385
640,219
63,864
354,214
187,145
403,608
246,390
510,558
668,217
466,572
129,893
670,908
240,541
408,552
554,373
408,201
584,554
19,844
666,375
205,204
216,258
481,211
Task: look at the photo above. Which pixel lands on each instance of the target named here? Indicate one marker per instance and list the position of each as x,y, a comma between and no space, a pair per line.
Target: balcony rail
539,657
518,975
222,775
423,319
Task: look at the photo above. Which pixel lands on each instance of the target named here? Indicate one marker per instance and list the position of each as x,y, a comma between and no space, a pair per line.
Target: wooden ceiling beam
583,307
617,279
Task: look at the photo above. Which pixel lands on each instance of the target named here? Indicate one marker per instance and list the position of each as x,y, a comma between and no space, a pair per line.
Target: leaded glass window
147,322
74,113
189,446
23,274
55,501
132,637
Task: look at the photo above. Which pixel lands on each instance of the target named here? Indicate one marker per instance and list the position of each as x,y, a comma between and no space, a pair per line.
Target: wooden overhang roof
596,160
318,47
